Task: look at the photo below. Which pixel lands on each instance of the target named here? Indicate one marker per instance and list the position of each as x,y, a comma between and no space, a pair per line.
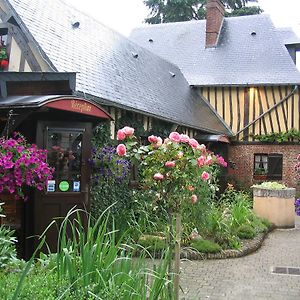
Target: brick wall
242,157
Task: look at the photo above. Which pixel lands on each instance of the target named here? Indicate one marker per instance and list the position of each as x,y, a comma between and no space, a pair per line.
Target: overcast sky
124,15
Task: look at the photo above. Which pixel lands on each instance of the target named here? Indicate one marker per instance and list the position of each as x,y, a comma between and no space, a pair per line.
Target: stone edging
248,246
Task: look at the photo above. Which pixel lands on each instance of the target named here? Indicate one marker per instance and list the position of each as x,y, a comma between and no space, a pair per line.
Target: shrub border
248,247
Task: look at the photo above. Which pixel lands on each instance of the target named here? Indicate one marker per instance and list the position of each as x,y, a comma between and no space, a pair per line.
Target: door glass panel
65,155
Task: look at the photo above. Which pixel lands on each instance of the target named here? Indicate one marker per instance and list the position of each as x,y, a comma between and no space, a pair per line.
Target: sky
124,15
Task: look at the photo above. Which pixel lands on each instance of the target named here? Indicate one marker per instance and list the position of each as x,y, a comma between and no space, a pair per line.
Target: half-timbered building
245,68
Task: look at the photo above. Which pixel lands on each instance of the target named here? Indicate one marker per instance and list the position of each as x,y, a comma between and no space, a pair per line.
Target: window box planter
277,206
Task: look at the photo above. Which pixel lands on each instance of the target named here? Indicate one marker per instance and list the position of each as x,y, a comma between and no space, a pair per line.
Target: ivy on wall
292,135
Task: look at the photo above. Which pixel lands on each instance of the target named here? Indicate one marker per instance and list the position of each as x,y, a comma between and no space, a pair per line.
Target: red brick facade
241,156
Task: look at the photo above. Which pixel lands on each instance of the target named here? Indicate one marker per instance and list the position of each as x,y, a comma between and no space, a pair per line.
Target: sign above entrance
80,106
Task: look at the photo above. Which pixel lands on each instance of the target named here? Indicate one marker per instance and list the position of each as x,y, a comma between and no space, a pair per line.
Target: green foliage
205,246
186,10
153,243
101,135
292,135
271,185
246,231
8,253
160,128
90,264
132,120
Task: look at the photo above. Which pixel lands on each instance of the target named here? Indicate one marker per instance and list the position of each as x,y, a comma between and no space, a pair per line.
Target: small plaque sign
64,186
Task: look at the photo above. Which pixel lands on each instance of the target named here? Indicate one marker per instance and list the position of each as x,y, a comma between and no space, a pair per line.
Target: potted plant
21,165
260,174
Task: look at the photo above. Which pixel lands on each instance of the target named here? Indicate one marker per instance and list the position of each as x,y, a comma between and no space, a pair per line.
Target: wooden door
69,148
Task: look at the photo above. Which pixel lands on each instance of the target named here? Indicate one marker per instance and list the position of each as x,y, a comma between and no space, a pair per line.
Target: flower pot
12,209
277,206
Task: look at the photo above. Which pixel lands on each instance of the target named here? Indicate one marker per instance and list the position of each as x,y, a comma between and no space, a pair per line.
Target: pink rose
167,141
209,160
193,143
159,142
158,176
221,161
201,147
194,198
180,154
170,164
129,131
152,139
121,135
201,161
205,176
184,138
121,150
190,188
174,137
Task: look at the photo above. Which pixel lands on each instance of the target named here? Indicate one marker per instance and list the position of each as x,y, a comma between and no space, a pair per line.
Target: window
269,165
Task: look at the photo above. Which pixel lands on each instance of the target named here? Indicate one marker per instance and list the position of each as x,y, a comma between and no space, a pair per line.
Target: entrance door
69,148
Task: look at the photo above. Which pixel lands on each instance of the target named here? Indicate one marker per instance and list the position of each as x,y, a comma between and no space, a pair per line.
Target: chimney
214,19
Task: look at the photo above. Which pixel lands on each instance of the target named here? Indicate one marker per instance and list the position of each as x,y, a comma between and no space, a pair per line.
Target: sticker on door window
76,186
51,186
64,186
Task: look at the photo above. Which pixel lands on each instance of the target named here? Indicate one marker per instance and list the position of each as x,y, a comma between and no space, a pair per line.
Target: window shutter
275,166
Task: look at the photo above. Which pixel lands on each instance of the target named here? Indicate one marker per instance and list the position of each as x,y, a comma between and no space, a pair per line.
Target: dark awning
61,102
213,138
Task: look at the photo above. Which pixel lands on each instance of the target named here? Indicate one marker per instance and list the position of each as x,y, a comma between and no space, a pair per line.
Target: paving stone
248,277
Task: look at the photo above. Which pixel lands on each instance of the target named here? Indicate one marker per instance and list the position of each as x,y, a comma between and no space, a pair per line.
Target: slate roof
241,58
288,36
113,69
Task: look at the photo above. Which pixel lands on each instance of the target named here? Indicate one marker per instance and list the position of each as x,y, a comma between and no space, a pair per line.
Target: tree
166,11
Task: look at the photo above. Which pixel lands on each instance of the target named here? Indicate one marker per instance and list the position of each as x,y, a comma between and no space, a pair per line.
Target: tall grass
92,264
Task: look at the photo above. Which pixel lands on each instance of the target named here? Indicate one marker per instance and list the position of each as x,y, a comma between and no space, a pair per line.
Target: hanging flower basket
3,57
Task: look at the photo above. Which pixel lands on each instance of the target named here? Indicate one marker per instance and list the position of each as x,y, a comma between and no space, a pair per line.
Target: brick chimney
214,19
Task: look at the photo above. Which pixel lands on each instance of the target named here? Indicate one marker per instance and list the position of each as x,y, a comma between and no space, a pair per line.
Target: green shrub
153,243
246,231
271,185
205,246
8,253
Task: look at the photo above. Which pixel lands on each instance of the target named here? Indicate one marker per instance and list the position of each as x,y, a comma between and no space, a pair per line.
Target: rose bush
176,170
22,164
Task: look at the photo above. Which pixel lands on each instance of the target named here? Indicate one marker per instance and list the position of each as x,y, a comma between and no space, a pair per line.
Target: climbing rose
175,137
180,154
129,131
194,198
121,150
158,176
184,138
190,188
205,176
170,164
158,143
121,135
201,161
221,161
152,139
209,160
193,143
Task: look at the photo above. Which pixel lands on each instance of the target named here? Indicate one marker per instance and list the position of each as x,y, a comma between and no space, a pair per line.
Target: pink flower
201,147
190,188
175,137
194,198
152,139
205,176
170,164
209,160
158,176
184,138
193,143
121,150
180,154
129,131
221,161
201,161
121,135
158,143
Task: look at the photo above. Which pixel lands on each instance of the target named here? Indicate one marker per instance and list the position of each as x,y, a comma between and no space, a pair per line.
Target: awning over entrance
61,102
213,138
